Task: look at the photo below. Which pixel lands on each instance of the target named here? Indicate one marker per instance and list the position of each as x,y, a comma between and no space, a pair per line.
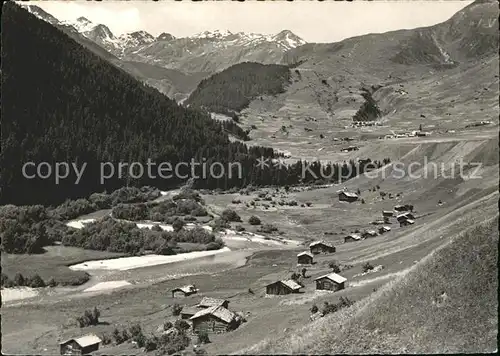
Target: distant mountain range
209,51
173,65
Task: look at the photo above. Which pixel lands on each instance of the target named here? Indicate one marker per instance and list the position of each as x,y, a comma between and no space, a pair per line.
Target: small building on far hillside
384,229
214,320
368,234
321,247
207,302
83,345
184,291
305,258
283,287
332,282
387,213
352,237
405,216
347,196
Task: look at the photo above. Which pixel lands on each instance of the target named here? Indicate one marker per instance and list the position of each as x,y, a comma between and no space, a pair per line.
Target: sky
313,21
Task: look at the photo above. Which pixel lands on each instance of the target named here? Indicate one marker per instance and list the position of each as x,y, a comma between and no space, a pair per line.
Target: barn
305,258
283,287
347,196
83,345
321,247
207,302
332,282
352,237
214,320
184,291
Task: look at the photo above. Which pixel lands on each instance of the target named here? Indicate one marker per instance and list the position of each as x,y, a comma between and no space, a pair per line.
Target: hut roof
211,302
305,253
219,312
189,310
315,243
290,283
186,289
348,194
84,341
337,278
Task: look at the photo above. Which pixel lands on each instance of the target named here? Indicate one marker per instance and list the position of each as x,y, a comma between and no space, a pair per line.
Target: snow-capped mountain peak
134,39
288,39
81,24
216,34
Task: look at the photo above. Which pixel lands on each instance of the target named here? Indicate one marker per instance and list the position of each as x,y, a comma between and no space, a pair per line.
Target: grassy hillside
234,88
447,303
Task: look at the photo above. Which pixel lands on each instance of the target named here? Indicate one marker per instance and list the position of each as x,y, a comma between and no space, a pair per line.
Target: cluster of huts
331,281
211,315
402,213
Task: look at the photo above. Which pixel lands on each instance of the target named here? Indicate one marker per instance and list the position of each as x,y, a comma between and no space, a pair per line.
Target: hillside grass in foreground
447,303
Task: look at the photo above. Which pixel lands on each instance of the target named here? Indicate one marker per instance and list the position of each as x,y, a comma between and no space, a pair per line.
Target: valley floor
43,321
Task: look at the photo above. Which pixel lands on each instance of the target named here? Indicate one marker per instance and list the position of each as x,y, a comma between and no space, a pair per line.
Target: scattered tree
176,309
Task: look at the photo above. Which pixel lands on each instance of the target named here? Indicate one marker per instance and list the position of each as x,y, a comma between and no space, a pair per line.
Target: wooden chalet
283,287
184,291
215,319
347,196
305,258
332,282
83,345
321,247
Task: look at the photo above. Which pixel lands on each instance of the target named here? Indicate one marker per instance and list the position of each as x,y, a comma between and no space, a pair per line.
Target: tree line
63,103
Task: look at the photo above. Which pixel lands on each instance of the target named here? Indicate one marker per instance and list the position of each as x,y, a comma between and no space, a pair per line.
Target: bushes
118,236
163,211
314,309
220,224
334,266
254,220
23,229
36,282
328,308
215,245
367,267
89,317
203,337
176,309
230,215
177,225
19,280
267,228
181,324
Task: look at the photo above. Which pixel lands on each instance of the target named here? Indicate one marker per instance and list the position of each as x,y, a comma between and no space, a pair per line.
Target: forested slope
62,103
233,88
